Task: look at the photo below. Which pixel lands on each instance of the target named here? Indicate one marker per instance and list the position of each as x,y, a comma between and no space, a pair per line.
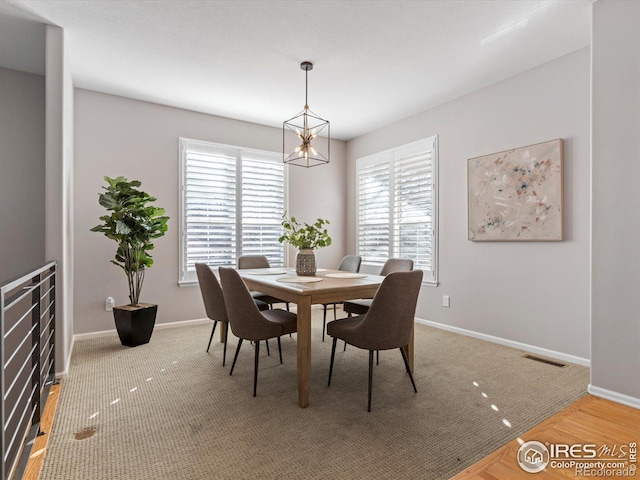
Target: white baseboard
158,326
65,372
565,357
195,321
67,364
614,396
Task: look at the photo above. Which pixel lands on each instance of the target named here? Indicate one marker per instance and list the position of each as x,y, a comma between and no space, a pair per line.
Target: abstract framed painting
516,195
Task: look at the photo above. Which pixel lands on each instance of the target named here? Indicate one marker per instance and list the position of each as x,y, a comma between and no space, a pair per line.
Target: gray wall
536,293
22,171
616,221
120,136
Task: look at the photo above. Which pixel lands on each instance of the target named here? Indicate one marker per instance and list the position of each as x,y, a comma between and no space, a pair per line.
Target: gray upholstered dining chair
249,323
361,305
259,261
349,263
387,324
214,304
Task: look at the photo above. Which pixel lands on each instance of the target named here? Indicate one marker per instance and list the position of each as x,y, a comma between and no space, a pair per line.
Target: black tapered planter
135,323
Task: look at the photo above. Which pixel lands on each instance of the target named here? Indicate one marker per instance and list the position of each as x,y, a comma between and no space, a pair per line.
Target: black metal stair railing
27,354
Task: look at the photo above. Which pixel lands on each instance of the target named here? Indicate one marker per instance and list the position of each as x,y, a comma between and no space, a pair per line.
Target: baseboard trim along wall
614,396
585,362
67,366
158,326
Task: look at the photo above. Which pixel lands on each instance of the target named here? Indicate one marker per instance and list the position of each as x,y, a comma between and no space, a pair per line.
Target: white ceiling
375,61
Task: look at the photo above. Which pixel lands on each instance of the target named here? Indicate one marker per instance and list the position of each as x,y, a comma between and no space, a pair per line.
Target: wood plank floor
36,459
590,420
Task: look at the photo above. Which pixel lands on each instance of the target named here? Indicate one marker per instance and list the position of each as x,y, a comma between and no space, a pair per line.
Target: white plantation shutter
232,203
373,212
262,208
413,225
210,204
397,206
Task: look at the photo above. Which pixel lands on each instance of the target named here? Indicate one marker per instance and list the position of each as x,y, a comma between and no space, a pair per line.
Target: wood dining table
283,283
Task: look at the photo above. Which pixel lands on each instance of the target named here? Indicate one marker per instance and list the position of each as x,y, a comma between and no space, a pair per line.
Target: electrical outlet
445,301
109,303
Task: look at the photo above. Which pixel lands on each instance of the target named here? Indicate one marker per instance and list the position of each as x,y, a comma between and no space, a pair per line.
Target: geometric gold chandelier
302,144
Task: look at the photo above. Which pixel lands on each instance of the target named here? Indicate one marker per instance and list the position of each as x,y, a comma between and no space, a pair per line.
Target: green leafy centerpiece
132,223
305,237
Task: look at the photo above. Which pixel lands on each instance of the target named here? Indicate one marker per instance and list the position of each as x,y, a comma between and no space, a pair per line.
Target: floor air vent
544,360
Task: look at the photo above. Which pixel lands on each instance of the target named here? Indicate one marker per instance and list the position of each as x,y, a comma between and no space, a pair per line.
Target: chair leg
377,357
324,320
287,304
370,378
255,369
280,350
345,343
335,315
215,323
236,356
226,337
268,351
333,354
406,365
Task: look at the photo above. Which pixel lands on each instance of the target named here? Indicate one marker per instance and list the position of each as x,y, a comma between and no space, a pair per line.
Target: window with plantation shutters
232,204
397,206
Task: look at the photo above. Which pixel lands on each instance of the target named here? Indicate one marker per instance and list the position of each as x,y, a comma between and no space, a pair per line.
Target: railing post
3,443
35,340
54,269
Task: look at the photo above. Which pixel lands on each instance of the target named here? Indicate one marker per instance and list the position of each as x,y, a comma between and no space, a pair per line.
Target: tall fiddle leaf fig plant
133,223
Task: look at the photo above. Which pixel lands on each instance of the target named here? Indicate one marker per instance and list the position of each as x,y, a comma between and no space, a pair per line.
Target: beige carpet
169,410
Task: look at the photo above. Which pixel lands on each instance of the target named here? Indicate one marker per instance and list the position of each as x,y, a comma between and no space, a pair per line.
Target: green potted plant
133,223
305,238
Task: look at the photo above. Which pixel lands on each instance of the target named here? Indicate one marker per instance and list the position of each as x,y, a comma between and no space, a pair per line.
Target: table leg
304,350
409,349
224,326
